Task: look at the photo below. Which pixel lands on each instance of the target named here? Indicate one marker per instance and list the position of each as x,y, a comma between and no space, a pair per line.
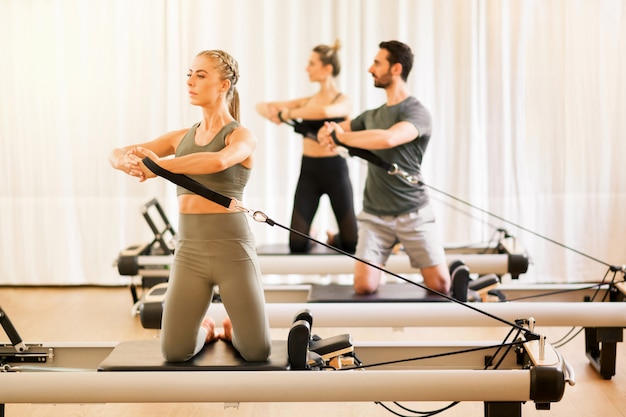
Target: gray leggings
214,249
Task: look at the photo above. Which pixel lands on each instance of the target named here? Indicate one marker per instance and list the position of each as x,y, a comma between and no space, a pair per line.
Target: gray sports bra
229,182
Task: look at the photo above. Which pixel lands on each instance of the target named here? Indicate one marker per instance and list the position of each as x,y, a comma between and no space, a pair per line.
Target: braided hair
228,68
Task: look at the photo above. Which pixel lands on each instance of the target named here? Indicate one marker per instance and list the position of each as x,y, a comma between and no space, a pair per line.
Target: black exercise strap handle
291,123
190,184
358,152
369,156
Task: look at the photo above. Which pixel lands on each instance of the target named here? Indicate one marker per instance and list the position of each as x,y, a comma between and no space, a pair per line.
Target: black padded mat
283,249
145,355
387,293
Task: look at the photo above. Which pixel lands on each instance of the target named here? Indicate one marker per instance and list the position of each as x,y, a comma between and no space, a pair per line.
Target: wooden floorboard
102,314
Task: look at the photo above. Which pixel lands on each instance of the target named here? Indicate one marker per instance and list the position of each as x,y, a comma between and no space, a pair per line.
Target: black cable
434,356
464,212
370,157
454,403
420,413
547,294
597,286
376,160
447,297
567,338
564,342
506,352
520,227
428,413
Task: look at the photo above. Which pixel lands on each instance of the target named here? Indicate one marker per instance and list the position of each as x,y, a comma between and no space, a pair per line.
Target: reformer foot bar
133,372
399,315
166,383
603,321
134,261
284,264
418,314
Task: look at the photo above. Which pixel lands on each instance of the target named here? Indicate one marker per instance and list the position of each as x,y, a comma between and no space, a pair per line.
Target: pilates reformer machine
601,336
501,374
598,309
151,261
398,305
602,318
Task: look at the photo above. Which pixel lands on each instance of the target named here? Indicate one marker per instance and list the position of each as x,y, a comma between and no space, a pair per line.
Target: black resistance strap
190,184
369,156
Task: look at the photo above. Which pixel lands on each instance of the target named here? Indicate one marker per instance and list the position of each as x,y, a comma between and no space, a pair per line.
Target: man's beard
383,81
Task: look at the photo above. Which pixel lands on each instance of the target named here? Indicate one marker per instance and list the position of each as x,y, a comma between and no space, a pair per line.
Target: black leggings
319,176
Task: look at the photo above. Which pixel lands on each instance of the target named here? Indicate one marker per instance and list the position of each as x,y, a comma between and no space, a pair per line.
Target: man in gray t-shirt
394,210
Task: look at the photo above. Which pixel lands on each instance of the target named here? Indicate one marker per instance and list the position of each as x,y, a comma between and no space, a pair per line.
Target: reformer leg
503,409
601,348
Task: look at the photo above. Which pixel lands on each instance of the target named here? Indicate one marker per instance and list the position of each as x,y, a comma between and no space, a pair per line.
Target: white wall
527,99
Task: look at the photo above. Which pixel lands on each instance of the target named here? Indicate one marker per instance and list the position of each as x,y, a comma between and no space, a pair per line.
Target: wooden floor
104,315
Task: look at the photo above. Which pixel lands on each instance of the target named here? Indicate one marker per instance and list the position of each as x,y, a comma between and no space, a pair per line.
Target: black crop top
309,128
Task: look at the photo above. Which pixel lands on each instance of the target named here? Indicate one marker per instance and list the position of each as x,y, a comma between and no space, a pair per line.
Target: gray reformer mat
145,355
387,293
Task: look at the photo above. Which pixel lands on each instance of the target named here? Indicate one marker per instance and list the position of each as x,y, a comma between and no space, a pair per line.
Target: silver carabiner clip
395,170
259,216
256,215
412,179
236,206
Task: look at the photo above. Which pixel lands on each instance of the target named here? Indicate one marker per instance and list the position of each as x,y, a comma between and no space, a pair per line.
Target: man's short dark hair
399,52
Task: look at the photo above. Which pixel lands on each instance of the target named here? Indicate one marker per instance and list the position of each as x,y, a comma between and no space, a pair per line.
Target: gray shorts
416,231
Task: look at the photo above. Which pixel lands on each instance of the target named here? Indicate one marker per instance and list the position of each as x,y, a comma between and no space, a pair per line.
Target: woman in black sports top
322,171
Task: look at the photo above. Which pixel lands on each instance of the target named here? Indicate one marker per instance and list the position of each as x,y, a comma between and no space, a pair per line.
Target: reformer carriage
502,374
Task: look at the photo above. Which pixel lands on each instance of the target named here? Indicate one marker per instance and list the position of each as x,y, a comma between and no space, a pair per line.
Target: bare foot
209,324
397,248
228,330
330,239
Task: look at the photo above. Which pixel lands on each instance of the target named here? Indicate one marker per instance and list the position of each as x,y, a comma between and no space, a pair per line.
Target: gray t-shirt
390,195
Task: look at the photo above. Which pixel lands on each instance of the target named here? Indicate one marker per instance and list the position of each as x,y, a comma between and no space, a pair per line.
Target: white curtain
527,99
